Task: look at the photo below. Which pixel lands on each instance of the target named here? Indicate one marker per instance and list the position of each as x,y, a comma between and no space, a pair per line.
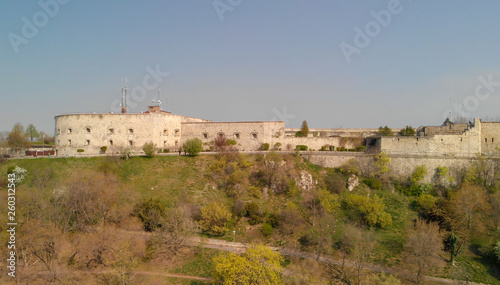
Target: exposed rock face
306,181
352,182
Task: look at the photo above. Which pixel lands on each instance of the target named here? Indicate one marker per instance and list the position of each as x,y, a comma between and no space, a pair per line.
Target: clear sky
349,64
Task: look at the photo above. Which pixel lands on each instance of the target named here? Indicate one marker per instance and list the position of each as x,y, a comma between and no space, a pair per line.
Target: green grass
200,264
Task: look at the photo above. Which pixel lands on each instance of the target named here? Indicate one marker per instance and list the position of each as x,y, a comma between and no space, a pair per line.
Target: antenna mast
124,96
451,100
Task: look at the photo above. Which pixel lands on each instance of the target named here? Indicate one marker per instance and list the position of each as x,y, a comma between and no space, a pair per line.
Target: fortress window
112,131
69,142
70,131
130,143
165,132
254,135
485,140
221,135
110,142
177,132
87,142
164,143
58,142
58,131
88,130
237,135
205,135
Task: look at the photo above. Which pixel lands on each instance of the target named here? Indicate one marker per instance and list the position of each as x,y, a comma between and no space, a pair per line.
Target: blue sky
241,60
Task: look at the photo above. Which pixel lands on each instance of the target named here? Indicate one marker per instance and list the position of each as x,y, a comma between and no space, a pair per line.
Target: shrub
230,142
351,149
299,134
273,220
266,229
325,148
166,150
80,150
149,149
264,146
361,148
126,154
373,183
20,174
350,167
419,174
332,148
150,213
104,149
253,212
214,218
370,210
277,146
193,146
301,147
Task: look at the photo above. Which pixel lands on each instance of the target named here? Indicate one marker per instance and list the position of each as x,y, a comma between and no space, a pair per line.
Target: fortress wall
248,135
315,143
490,137
401,166
464,144
113,131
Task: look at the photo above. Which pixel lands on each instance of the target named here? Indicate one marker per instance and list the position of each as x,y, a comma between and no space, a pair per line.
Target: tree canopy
258,265
408,131
385,131
193,146
32,132
304,130
17,138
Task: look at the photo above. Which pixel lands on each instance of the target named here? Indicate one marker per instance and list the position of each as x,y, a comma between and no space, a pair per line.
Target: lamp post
234,236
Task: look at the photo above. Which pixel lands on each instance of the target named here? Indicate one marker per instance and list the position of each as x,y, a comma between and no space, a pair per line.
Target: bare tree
423,247
176,227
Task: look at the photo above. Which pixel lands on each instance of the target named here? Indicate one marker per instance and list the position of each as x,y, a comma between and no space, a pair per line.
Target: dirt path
238,247
150,273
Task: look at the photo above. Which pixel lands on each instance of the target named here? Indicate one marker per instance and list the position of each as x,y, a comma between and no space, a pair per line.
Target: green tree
149,149
418,174
304,129
214,218
370,210
385,131
382,162
455,246
32,132
408,131
258,265
193,146
17,138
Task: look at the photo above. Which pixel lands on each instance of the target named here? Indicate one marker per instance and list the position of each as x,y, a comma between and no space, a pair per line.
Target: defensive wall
400,165
248,135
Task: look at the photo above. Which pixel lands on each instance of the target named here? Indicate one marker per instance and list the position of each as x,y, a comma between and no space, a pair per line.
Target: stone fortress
90,132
